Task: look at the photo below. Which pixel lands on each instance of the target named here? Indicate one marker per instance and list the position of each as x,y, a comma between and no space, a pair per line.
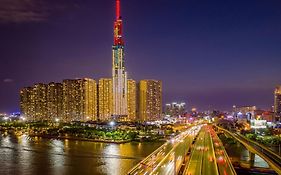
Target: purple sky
210,54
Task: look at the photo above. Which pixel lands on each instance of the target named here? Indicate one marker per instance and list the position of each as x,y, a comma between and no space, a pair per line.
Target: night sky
210,54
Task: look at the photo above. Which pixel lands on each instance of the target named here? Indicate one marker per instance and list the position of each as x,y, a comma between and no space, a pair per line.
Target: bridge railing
227,157
260,145
275,165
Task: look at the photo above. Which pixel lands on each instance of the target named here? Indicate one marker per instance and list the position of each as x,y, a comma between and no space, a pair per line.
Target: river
23,155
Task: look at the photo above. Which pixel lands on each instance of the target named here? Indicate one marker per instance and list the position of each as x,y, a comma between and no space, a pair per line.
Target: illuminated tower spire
118,26
118,16
119,75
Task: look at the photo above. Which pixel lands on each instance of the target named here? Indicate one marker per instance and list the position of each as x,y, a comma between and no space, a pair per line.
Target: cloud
8,80
20,11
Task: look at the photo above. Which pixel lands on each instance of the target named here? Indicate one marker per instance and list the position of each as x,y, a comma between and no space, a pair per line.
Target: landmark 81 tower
119,75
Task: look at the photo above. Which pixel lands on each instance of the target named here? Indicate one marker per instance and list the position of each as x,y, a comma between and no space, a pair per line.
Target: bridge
196,151
273,159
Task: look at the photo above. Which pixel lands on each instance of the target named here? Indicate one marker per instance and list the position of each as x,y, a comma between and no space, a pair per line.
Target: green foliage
251,136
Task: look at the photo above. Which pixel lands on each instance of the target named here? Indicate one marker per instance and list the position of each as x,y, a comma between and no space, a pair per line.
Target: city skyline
242,70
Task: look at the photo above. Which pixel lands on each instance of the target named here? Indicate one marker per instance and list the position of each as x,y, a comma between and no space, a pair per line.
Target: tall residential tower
277,101
150,100
119,75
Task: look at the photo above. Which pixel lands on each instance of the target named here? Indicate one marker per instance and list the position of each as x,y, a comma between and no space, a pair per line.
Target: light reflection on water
28,156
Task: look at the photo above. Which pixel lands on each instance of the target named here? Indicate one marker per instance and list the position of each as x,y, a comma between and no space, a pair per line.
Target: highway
207,157
168,158
223,162
202,160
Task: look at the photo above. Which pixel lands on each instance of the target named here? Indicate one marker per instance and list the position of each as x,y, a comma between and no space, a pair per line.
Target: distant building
244,112
105,99
55,101
132,100
175,109
79,100
268,116
150,100
277,101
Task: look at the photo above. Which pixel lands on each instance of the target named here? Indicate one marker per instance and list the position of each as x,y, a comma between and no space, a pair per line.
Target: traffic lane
165,167
147,166
181,149
224,166
195,162
202,158
209,163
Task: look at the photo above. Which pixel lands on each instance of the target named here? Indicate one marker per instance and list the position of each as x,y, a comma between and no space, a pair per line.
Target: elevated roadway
208,156
273,159
168,158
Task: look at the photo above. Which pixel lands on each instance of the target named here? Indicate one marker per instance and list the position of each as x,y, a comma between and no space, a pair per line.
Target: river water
25,155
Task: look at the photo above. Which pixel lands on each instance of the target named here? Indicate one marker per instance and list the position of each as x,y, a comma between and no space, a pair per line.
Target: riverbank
80,139
119,133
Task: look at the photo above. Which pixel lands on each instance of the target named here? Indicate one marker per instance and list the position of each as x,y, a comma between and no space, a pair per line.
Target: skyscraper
105,99
54,101
132,97
26,102
39,96
277,101
79,100
119,75
33,102
150,100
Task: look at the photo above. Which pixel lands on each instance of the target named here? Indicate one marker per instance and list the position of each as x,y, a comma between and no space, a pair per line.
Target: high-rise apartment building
105,99
54,101
33,102
132,100
119,75
79,100
277,101
27,102
150,100
39,100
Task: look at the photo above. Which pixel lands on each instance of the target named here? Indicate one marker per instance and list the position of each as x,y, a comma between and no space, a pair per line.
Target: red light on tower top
118,26
118,16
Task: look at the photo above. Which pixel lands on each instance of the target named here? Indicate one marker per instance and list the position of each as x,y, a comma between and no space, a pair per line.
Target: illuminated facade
150,100
119,75
39,100
105,99
33,102
54,101
245,112
277,101
175,109
79,100
132,99
27,102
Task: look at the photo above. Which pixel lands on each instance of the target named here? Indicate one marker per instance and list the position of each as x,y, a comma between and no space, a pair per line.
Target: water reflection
28,156
113,164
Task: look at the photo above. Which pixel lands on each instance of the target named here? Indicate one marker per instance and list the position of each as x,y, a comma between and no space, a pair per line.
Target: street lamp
112,123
